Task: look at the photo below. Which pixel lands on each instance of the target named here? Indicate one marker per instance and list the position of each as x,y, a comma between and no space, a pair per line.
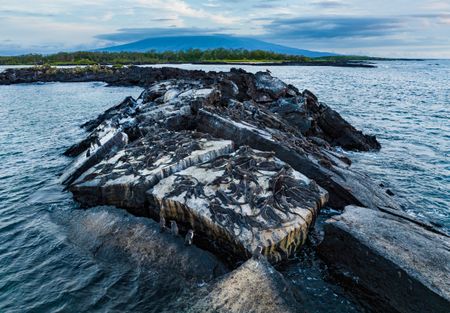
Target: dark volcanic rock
252,126
114,141
341,133
126,107
178,124
112,237
398,263
126,76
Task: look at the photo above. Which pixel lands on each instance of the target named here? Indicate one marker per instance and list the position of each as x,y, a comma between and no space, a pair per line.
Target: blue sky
397,28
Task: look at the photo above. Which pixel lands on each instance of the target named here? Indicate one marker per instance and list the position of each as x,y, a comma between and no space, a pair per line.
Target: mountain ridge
206,42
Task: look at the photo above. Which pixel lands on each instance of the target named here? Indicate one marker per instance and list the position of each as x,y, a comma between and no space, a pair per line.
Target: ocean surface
47,244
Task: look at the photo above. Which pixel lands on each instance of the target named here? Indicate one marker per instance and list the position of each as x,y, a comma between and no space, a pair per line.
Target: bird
173,228
162,224
257,253
189,237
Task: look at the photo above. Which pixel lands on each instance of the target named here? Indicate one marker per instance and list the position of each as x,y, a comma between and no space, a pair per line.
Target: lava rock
398,263
269,133
185,118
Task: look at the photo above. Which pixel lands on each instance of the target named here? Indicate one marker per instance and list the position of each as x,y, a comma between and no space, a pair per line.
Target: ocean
47,244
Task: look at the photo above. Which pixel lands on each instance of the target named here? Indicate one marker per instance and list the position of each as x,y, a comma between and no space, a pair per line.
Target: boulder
243,201
112,235
254,287
399,264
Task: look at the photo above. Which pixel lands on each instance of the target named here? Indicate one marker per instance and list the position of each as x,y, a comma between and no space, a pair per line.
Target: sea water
47,244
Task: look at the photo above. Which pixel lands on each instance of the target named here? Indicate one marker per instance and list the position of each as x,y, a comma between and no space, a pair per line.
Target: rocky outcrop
182,151
398,263
125,76
299,110
241,164
255,287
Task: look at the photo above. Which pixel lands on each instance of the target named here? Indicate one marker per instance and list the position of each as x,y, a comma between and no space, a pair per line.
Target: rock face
255,287
400,264
182,151
124,178
242,163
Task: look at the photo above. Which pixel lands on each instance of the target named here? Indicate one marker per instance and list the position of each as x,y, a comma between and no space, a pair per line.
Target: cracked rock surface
248,198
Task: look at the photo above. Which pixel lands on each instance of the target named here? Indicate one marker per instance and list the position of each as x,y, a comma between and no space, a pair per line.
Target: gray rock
113,235
113,141
254,287
398,263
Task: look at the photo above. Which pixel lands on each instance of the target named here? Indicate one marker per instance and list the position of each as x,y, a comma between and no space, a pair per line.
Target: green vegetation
152,57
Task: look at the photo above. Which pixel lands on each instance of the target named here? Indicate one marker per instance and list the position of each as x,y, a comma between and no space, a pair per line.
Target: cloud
342,26
266,5
439,18
329,4
24,13
134,34
184,9
324,27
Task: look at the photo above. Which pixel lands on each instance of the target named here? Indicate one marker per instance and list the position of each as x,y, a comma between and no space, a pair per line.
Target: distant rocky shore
240,165
339,63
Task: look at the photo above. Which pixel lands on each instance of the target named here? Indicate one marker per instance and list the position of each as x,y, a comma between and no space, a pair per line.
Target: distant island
204,49
195,56
210,42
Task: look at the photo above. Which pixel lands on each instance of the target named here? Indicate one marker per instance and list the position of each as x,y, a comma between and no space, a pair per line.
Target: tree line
151,57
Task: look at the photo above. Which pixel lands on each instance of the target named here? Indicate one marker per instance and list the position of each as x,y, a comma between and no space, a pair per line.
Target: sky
386,28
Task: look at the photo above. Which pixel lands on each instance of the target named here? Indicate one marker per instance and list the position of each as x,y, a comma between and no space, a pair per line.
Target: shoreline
356,64
224,118
213,116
